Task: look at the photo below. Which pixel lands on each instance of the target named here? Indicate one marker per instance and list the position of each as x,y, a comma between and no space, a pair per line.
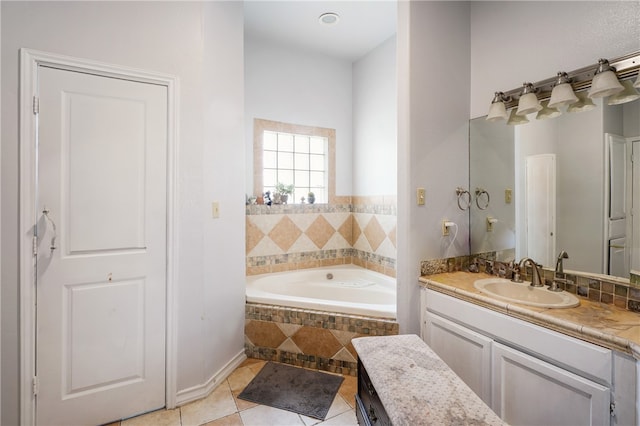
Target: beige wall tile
374,233
285,233
320,231
316,341
253,234
263,333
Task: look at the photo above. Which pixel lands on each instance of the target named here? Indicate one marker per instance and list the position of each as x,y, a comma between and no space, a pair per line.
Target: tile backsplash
298,236
622,293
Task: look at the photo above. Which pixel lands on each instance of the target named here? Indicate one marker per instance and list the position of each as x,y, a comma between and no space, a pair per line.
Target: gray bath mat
305,392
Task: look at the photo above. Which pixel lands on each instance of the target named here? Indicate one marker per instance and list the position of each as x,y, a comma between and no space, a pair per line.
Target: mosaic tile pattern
307,338
609,291
438,266
298,236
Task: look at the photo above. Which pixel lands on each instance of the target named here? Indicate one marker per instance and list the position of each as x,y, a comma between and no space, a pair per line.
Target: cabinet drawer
369,402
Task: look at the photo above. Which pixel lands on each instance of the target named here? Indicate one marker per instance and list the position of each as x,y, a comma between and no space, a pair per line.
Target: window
295,155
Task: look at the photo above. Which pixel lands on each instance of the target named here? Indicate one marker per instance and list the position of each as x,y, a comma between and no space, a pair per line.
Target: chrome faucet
559,268
536,280
558,276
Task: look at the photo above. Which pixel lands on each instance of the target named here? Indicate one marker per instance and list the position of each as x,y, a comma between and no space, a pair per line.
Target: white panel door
540,207
101,278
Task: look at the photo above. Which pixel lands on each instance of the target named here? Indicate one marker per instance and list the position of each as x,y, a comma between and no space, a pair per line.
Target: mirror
559,184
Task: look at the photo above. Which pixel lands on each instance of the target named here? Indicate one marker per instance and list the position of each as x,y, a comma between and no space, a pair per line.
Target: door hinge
36,105
34,385
34,242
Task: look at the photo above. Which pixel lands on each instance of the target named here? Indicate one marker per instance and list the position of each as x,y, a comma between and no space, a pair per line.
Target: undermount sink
523,293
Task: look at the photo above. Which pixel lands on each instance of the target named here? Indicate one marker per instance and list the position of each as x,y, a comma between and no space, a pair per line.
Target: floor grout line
244,373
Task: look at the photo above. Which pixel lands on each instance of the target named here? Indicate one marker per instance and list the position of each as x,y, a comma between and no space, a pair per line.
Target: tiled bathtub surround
306,338
609,290
298,236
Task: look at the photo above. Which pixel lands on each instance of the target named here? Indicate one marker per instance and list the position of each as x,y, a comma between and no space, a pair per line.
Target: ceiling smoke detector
329,18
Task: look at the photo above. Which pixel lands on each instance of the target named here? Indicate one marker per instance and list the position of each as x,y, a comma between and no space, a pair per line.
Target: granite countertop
416,387
598,323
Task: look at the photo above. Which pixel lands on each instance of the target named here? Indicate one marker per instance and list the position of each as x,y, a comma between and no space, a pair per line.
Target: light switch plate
420,196
508,195
215,210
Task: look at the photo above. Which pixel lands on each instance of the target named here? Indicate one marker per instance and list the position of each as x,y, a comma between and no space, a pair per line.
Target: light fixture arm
562,78
528,88
501,97
603,65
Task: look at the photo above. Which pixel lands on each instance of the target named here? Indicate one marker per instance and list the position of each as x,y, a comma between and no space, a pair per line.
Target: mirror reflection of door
540,207
616,206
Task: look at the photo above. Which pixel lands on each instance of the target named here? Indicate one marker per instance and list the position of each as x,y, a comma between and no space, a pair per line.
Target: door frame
30,60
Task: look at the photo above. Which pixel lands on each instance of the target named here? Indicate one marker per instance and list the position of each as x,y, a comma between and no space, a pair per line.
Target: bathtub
346,289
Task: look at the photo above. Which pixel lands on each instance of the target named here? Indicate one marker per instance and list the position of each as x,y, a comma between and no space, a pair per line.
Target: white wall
517,41
631,119
375,117
433,113
201,43
492,169
299,87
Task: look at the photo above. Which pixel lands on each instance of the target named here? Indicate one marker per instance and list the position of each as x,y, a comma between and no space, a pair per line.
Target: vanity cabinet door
466,352
528,391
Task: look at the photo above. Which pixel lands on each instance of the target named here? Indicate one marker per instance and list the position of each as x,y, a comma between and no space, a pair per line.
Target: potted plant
311,197
283,191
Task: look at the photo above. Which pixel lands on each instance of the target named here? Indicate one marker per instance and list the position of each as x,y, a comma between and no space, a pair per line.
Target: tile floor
223,408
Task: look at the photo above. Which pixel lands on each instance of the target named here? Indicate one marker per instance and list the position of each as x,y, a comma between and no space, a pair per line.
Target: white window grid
301,160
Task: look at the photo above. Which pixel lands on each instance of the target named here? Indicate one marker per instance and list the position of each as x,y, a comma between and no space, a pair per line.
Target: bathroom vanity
401,381
534,365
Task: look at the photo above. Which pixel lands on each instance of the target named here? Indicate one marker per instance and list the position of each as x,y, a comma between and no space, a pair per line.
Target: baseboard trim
194,393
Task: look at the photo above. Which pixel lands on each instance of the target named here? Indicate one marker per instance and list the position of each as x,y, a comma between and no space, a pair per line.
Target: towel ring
461,200
479,192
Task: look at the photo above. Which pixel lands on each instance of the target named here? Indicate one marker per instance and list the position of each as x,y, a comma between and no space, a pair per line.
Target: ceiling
363,25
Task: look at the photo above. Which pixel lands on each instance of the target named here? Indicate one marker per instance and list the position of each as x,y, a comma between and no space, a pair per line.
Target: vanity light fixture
515,119
573,90
498,111
584,104
605,82
562,93
329,18
548,112
627,95
528,102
